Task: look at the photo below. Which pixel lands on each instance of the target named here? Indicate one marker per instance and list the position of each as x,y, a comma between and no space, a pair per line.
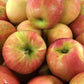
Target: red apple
45,79
6,29
80,38
71,11
44,14
3,15
26,25
16,10
78,79
77,26
65,58
58,31
24,51
7,77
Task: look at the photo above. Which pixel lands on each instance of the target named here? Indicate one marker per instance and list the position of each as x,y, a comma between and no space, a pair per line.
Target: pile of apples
41,41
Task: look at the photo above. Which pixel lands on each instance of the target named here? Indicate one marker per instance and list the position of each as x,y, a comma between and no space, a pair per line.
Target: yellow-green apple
58,31
7,76
45,79
3,15
24,51
78,79
71,11
77,26
65,58
26,25
80,38
16,10
44,14
6,28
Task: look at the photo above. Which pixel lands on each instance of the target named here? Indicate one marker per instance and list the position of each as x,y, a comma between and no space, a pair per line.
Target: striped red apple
24,51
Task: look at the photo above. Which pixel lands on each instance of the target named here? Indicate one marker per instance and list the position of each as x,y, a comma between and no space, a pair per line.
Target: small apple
24,51
7,76
45,79
71,11
44,14
65,58
78,79
26,25
16,10
58,31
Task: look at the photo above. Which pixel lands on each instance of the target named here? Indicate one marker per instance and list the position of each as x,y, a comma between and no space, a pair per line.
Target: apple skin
24,51
65,58
45,79
44,14
71,11
78,79
3,15
58,31
80,38
16,10
26,25
6,29
77,26
7,76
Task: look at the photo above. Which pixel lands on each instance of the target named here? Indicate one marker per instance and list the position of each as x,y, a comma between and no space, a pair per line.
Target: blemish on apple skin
5,82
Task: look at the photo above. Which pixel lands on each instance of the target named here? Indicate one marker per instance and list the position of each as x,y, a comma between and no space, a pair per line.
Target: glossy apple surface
71,11
58,31
26,25
16,10
45,79
44,14
65,58
24,51
7,77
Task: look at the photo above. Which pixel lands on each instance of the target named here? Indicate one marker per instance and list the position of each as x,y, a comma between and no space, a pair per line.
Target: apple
77,26
71,11
58,31
3,15
44,14
65,58
80,38
16,10
26,25
78,79
24,51
7,76
6,29
45,79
